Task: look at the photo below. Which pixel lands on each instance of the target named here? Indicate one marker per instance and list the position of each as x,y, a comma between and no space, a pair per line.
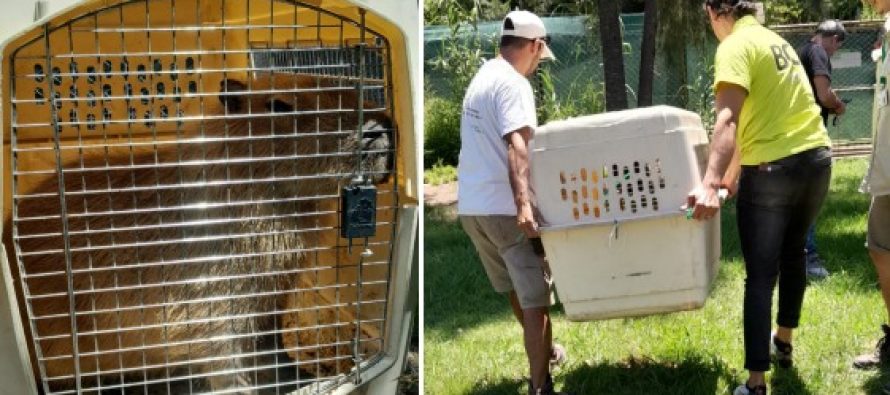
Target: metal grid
175,201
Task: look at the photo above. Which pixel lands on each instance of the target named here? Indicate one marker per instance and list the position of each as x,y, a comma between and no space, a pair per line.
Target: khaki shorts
509,259
879,224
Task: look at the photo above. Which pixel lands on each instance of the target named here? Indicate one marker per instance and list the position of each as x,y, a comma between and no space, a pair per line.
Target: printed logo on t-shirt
784,56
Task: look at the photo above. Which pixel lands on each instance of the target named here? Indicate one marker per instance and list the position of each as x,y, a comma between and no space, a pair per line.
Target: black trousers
777,203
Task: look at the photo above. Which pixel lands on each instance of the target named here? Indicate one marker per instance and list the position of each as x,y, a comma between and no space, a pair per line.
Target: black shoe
880,356
782,353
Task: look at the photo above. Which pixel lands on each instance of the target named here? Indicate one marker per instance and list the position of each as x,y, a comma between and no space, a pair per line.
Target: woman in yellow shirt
767,122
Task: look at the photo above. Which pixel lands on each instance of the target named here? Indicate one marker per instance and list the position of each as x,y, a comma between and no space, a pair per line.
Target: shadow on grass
693,375
503,387
457,293
788,381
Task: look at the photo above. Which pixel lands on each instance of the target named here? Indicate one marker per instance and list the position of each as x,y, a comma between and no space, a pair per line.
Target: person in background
815,56
494,201
770,141
877,183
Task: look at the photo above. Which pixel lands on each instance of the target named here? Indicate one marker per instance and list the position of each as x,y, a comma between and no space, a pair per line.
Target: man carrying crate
494,199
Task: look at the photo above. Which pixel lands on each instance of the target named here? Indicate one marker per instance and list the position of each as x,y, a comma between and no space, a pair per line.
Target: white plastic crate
610,189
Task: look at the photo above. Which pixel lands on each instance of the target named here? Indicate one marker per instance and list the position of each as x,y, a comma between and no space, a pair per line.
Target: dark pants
777,203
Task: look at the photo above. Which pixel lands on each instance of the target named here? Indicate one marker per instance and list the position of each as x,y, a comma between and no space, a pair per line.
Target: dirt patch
440,195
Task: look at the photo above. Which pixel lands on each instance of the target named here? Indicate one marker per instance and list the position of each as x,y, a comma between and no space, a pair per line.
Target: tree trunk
647,55
613,57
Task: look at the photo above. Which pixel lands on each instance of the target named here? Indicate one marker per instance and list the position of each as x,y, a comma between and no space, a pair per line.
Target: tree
647,54
613,55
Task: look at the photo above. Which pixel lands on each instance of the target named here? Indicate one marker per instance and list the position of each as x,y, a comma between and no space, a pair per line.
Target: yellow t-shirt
780,116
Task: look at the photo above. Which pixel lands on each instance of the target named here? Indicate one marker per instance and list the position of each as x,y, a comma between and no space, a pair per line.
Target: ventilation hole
125,67
165,112
132,113
658,166
57,99
596,211
622,204
655,203
595,193
38,73
643,201
106,114
91,74
633,206
91,122
640,185
57,79
140,72
575,213
630,190
106,91
72,68
648,172
147,117
190,64
565,194
72,91
193,87
605,191
145,93
605,172
593,177
173,75
583,193
626,173
583,174
651,187
586,209
618,187
607,206
72,116
177,94
637,167
575,197
38,94
573,177
128,90
157,67
615,170
562,177
92,98
107,67
661,182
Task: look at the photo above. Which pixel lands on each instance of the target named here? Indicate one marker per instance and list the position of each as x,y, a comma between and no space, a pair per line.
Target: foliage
583,97
441,131
439,174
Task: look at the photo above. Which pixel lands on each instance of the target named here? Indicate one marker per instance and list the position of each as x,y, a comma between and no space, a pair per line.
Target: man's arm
729,100
827,96
517,158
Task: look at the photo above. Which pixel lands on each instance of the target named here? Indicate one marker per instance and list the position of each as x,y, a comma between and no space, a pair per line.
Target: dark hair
830,28
513,41
735,8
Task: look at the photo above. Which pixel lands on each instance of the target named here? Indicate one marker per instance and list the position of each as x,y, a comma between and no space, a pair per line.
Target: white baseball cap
527,25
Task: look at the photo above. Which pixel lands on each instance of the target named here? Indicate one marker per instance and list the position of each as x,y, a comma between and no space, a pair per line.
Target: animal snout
377,145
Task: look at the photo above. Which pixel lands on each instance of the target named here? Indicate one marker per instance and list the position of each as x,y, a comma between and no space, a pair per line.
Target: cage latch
359,211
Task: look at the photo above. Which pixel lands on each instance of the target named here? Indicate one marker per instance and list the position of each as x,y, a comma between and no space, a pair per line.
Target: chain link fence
578,68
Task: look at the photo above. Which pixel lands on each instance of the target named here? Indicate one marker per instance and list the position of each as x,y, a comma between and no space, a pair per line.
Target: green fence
576,46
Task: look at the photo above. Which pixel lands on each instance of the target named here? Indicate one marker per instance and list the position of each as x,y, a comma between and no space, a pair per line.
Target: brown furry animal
245,199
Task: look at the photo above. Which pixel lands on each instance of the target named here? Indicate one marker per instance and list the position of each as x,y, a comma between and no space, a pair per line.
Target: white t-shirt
498,101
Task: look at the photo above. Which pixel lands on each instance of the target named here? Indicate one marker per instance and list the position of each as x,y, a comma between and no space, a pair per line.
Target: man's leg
536,328
881,260
517,309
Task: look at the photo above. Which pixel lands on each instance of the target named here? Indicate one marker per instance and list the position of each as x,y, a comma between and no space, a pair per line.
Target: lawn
472,344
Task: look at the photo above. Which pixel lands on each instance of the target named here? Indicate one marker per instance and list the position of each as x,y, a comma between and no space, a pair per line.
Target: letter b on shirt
784,56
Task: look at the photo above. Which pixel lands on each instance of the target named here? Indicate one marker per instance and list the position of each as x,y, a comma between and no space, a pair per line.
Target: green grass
473,344
439,174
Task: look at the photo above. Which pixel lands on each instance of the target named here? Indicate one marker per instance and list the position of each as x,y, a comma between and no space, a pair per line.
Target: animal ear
229,95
